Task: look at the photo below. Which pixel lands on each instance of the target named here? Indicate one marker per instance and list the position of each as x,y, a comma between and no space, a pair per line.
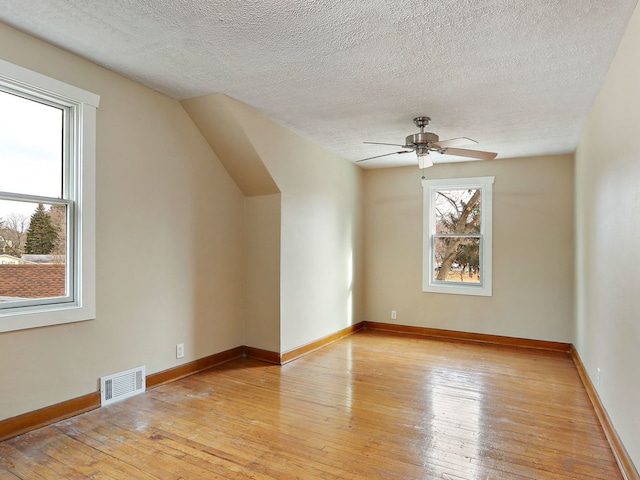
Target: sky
30,151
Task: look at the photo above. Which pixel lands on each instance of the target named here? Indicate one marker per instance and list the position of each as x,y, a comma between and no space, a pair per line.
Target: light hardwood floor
371,406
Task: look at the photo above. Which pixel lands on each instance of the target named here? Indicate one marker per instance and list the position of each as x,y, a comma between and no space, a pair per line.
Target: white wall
170,245
532,250
608,239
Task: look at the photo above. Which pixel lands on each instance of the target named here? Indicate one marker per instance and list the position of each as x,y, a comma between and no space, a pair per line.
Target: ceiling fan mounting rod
422,142
421,122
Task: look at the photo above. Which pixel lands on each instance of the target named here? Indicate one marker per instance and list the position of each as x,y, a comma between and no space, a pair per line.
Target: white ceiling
519,76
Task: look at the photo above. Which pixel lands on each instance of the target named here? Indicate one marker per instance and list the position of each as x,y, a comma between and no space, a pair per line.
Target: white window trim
84,305
486,227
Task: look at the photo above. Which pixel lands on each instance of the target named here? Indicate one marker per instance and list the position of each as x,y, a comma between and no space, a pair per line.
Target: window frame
429,189
78,193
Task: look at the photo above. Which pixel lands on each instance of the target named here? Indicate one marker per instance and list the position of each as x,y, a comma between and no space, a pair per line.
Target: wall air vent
119,386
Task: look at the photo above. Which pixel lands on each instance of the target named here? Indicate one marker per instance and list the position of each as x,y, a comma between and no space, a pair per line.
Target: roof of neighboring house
32,280
32,258
13,259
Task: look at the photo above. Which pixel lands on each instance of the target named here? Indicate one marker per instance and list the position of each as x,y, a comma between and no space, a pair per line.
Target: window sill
25,318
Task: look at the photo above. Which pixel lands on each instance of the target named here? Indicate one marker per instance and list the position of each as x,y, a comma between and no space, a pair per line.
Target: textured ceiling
519,76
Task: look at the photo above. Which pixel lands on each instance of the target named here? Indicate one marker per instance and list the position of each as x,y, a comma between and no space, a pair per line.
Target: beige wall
169,244
320,230
320,222
608,235
262,272
532,250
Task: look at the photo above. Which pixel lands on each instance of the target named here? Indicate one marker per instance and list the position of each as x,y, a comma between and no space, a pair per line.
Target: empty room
317,240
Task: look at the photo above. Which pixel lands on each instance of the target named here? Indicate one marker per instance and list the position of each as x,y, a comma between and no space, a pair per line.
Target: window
47,200
457,236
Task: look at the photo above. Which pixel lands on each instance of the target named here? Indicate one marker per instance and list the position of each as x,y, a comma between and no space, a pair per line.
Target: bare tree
13,231
461,217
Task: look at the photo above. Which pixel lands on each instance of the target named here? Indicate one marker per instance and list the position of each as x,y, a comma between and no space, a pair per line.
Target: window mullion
23,197
454,235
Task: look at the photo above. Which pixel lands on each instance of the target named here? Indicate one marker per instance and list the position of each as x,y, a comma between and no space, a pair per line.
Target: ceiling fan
424,142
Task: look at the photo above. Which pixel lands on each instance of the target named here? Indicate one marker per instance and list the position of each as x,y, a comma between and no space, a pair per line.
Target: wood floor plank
82,457
6,475
374,405
49,466
22,466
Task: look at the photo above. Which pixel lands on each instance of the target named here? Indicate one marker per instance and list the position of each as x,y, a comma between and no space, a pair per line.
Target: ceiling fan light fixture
424,161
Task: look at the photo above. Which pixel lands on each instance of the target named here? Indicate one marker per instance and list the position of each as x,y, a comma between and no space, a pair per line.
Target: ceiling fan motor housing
421,139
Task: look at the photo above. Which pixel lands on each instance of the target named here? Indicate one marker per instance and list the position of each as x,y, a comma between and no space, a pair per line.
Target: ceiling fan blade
385,155
392,144
455,142
424,161
463,152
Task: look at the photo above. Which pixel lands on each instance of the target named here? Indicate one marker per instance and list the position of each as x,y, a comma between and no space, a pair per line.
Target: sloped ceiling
229,140
519,76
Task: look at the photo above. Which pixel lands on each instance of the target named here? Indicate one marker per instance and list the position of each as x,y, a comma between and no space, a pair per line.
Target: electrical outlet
394,315
598,377
180,350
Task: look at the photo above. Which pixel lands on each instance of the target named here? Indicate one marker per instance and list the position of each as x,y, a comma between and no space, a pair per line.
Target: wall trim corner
627,468
296,353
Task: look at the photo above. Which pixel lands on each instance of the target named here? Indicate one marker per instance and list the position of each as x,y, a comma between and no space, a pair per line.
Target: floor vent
119,386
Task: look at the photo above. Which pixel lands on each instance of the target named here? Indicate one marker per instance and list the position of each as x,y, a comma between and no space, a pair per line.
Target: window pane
456,259
458,211
33,254
31,147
